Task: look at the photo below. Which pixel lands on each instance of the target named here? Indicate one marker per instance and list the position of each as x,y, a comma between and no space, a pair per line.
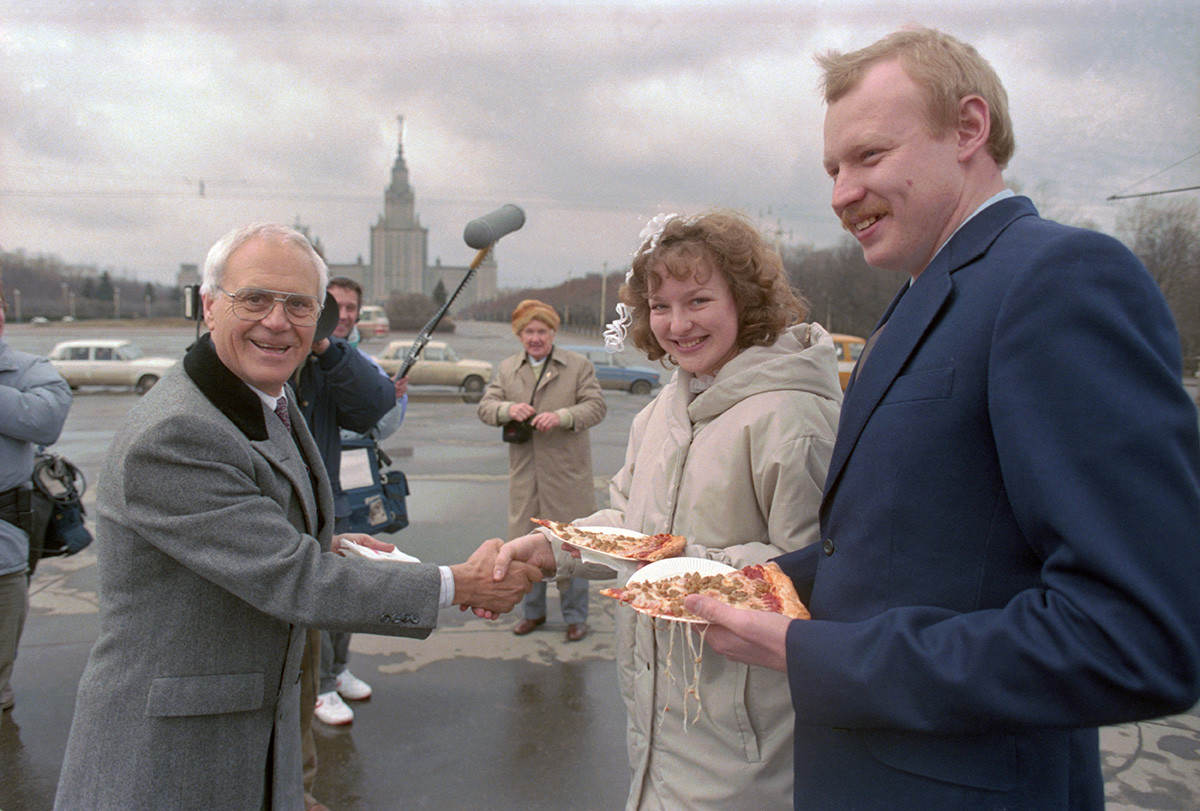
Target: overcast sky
592,116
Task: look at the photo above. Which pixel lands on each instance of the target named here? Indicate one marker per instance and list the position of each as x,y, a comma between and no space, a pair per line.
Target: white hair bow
615,332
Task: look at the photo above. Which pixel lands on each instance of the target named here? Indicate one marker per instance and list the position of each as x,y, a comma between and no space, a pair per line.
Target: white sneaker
351,687
332,710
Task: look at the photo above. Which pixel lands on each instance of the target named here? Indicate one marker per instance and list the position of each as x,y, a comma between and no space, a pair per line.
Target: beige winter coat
550,476
739,471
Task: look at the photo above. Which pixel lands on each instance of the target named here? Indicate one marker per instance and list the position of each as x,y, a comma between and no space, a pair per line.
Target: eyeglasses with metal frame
253,304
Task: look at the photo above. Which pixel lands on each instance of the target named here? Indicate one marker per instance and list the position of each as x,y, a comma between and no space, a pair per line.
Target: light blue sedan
614,373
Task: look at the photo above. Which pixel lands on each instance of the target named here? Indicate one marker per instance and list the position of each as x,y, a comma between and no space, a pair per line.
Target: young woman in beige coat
732,454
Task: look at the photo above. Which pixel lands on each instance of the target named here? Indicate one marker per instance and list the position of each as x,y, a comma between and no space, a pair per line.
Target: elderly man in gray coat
214,536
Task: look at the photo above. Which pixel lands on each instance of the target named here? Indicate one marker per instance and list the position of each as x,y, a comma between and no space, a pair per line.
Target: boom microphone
484,232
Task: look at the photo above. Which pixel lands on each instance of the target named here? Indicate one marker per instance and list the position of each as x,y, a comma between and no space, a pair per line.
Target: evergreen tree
104,288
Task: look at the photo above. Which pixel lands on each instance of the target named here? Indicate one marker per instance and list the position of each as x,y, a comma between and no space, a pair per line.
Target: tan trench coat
739,470
550,476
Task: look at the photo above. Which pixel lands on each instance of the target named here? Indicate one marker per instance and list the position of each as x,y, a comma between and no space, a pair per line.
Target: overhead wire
1121,195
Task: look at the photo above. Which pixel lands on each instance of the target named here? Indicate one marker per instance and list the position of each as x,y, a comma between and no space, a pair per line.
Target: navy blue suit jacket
1010,532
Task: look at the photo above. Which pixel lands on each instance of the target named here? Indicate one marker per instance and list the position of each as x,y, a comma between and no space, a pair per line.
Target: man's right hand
477,586
533,549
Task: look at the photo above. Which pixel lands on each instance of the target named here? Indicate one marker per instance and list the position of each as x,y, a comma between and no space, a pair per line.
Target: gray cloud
593,116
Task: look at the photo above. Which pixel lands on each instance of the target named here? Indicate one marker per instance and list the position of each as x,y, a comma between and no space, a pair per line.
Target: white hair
219,253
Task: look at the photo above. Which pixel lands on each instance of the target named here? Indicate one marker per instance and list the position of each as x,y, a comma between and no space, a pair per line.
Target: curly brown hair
727,242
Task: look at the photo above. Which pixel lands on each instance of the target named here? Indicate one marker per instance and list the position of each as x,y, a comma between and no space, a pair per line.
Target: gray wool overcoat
212,537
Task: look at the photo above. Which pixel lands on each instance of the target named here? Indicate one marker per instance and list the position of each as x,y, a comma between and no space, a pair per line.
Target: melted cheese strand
697,657
670,672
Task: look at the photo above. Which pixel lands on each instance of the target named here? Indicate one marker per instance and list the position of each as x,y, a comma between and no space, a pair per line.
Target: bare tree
408,312
1166,237
847,295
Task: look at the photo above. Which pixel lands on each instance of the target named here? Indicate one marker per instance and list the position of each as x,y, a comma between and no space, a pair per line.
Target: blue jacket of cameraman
341,388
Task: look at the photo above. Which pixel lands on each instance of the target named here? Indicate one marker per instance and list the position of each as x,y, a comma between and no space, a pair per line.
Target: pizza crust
783,587
673,546
642,548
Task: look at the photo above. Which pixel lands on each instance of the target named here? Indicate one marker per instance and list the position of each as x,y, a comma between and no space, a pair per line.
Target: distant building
400,252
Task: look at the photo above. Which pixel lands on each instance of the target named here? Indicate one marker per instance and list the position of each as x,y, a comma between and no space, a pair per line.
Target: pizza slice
759,587
619,544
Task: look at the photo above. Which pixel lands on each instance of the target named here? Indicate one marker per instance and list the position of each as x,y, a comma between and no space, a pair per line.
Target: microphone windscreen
484,231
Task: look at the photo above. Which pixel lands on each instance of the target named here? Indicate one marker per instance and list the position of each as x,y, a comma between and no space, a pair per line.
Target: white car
372,321
107,362
437,365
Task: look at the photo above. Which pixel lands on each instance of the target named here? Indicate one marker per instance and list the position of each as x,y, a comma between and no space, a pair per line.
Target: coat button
828,546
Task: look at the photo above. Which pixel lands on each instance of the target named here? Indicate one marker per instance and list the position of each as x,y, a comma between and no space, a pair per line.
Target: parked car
849,347
614,372
437,365
107,362
372,321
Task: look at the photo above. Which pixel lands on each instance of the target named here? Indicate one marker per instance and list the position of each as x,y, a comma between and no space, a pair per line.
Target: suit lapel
316,477
909,318
284,454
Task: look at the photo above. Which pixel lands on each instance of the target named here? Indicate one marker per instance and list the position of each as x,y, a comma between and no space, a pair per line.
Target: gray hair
219,253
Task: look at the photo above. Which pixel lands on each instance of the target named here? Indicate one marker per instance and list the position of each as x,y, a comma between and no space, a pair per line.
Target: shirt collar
269,401
995,198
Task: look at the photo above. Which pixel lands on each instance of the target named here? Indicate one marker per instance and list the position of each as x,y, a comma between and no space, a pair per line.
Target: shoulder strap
538,382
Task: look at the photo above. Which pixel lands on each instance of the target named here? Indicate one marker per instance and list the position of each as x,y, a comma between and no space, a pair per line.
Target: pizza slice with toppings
759,587
618,543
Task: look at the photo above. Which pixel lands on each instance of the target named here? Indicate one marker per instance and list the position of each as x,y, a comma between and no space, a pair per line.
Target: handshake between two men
480,583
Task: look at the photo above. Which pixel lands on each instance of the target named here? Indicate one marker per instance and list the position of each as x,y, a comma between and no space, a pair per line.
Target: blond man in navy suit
1008,556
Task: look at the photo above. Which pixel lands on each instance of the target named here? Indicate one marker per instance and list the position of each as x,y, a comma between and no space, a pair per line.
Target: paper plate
673,567
589,555
351,549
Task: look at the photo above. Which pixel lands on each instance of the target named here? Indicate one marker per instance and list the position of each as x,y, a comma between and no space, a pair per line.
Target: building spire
399,202
400,190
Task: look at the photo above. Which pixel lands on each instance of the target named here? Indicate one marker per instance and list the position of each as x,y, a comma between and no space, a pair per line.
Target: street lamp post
603,293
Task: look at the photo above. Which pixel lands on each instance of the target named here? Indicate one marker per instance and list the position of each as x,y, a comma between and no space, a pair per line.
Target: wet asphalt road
473,717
